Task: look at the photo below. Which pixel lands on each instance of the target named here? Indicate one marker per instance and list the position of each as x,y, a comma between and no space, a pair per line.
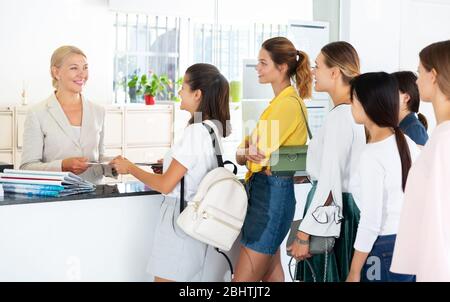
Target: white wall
264,11
31,30
374,30
389,35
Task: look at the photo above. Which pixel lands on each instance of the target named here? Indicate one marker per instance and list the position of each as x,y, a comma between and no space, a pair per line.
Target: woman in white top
65,131
205,95
423,240
384,167
332,160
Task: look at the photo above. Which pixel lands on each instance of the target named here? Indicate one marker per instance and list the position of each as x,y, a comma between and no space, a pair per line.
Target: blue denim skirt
271,209
378,263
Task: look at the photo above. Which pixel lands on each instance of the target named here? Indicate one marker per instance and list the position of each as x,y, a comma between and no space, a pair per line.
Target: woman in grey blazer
65,132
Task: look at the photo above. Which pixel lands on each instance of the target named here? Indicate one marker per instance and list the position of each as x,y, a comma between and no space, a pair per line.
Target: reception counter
106,235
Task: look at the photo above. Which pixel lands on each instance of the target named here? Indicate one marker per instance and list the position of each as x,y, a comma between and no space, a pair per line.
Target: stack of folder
43,183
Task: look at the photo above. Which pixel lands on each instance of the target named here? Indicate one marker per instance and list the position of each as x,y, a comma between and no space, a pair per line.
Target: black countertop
102,191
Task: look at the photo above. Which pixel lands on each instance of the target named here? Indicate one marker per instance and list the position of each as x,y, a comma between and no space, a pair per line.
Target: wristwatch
302,242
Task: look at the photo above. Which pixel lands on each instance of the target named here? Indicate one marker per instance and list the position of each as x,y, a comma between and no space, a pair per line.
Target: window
234,44
144,44
167,45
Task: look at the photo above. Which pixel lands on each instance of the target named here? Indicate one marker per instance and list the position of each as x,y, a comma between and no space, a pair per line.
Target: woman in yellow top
271,197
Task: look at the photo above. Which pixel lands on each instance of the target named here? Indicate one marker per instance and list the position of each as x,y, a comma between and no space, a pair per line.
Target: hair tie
299,55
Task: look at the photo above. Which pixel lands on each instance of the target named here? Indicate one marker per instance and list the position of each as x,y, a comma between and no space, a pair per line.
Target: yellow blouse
281,124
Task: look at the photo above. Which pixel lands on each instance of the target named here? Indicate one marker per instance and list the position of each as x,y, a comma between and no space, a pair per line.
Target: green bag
290,159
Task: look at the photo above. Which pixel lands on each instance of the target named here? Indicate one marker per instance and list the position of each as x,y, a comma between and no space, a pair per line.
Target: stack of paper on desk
44,183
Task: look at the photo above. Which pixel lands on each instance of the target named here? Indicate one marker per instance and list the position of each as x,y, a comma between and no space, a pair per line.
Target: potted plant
151,87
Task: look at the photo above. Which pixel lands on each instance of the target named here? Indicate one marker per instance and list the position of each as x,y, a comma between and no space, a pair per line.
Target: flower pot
149,100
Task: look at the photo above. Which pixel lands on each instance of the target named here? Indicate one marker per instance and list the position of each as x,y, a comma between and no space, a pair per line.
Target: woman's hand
254,154
250,152
76,165
300,251
121,165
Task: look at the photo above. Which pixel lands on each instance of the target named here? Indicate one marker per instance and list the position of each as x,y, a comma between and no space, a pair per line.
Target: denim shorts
378,263
271,209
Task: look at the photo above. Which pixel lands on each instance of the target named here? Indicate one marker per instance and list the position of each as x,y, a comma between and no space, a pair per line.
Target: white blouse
333,155
381,193
77,130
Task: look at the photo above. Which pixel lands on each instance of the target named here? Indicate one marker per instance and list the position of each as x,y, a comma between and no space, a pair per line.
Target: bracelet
302,242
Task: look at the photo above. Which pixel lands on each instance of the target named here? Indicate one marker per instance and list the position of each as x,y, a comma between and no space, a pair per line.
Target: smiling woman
65,131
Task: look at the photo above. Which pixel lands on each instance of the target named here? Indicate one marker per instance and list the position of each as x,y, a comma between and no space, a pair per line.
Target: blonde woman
332,160
65,131
423,242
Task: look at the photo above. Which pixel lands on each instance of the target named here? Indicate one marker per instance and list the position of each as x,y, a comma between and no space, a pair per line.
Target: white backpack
216,214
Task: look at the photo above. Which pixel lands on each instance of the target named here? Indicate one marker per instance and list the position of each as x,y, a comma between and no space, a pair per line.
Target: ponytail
405,155
423,120
303,76
378,94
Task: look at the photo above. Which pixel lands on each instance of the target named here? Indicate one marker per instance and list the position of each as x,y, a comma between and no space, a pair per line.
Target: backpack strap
217,151
182,202
220,162
216,144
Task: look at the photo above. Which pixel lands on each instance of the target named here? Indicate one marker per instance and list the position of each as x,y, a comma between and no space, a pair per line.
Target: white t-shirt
380,196
196,153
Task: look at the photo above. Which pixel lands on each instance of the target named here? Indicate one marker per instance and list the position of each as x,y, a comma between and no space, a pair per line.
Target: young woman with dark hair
423,241
205,95
271,197
383,171
413,126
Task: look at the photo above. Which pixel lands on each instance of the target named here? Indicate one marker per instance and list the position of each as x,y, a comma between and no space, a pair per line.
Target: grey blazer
49,138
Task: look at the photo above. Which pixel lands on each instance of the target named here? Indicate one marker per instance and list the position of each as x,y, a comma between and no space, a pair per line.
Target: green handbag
289,159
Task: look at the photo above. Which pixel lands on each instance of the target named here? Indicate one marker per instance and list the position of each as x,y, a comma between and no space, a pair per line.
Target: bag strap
306,121
220,162
216,144
182,202
217,151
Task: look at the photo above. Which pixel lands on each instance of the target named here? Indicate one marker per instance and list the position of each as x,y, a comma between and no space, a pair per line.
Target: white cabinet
6,126
149,127
6,135
6,157
146,155
17,159
114,127
112,152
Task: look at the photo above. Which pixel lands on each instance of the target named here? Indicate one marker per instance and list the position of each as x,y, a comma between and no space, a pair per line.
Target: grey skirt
175,255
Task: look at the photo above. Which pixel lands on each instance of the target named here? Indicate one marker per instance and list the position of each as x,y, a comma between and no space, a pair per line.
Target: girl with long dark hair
383,171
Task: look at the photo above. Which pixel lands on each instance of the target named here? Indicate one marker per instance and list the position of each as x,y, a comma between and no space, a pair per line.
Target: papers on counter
43,183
